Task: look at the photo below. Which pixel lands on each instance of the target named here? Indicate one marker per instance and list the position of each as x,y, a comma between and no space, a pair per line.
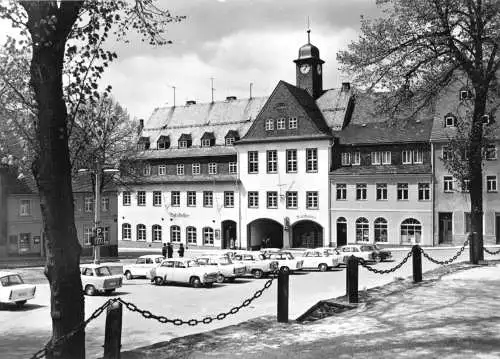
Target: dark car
383,254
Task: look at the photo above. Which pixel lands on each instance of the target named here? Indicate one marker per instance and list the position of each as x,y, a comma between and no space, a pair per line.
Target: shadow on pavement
10,307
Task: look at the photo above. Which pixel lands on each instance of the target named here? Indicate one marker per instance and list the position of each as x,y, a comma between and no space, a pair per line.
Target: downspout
433,195
238,181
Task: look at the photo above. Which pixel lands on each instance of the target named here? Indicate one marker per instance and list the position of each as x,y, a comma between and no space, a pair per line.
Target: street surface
25,331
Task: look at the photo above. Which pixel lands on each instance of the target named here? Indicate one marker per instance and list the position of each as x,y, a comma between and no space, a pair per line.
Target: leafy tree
67,43
417,48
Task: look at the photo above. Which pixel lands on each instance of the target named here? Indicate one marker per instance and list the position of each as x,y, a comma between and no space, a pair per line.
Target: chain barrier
365,264
50,346
490,252
206,320
435,261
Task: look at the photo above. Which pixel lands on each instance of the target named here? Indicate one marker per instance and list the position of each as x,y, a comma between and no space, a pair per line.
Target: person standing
170,251
164,250
181,250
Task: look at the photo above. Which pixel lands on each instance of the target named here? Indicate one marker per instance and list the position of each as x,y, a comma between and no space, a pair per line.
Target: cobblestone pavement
454,313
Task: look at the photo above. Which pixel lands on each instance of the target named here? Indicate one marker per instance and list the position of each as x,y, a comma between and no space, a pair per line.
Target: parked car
183,270
286,260
319,259
383,254
142,266
368,252
256,263
98,278
14,290
224,265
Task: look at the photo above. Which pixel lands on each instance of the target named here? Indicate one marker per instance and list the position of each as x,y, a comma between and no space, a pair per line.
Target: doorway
445,228
264,233
307,234
341,231
497,228
229,235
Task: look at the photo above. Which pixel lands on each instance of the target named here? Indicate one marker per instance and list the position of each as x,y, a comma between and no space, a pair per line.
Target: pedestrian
164,250
181,250
170,250
231,243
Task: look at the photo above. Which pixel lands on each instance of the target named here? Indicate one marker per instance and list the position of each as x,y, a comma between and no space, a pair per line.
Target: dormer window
229,141
208,139
185,141
269,124
231,137
163,143
465,94
450,120
143,143
182,144
205,143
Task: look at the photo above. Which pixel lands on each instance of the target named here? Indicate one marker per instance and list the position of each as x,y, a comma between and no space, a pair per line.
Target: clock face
305,68
318,68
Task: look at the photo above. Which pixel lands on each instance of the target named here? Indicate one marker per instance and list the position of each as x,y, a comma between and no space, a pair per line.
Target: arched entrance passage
229,240
307,234
260,230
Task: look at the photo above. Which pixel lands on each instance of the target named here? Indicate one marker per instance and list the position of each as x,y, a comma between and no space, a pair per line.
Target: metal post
473,255
352,279
417,263
283,282
113,331
97,209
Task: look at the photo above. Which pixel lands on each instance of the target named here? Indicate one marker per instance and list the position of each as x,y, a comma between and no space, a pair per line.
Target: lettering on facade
305,216
178,215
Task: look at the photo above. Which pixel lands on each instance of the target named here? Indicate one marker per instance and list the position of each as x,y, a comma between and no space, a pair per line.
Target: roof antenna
212,84
174,94
251,85
308,31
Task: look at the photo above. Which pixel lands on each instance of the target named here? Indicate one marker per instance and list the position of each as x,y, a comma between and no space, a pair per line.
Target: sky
235,42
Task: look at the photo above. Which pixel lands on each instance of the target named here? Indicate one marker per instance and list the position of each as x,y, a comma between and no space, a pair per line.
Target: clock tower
309,69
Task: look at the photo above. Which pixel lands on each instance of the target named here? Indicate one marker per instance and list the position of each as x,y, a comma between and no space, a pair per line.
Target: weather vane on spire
308,31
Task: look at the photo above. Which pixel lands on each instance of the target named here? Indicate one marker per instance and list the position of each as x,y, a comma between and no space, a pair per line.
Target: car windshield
102,271
11,280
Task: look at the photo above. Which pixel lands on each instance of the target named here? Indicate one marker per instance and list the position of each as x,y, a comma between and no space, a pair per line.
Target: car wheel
257,273
20,303
109,291
195,282
128,275
323,267
158,281
220,278
90,290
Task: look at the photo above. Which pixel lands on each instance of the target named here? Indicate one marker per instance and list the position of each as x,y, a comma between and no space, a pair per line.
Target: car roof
179,259
151,256
4,274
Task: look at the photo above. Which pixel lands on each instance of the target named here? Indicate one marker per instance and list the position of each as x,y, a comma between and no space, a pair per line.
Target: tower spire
308,31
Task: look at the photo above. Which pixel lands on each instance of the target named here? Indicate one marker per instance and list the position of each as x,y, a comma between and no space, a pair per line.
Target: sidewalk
454,313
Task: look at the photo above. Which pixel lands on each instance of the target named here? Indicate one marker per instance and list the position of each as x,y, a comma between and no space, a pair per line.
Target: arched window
175,234
411,231
141,232
156,233
126,231
208,236
341,220
191,235
362,230
380,230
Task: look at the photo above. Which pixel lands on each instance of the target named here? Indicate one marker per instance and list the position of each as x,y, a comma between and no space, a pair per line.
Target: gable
286,106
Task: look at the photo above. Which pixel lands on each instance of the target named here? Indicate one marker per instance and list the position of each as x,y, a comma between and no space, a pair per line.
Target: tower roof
308,50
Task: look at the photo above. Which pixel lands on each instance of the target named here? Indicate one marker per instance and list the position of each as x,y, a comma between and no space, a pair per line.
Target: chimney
230,98
346,86
190,102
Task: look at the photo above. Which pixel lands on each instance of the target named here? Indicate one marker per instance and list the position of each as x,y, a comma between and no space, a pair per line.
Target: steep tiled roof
383,169
185,179
386,132
334,104
188,152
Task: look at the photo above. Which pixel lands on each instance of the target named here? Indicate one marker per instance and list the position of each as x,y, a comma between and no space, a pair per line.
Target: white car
14,290
319,259
183,270
98,278
256,263
142,266
226,268
286,260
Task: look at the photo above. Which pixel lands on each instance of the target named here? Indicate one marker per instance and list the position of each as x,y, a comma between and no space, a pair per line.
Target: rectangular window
418,157
269,124
126,200
212,168
191,199
272,161
406,157
180,170
490,152
208,199
466,185
491,183
272,199
291,161
88,204
448,183
205,142
280,124
311,160
156,198
141,198
386,157
146,170
88,232
450,121
233,168
312,200
402,191
183,144
25,207
104,204
229,141
291,200
381,189
229,199
253,199
292,123
346,158
424,191
361,191
175,199
253,162
162,170
376,158
341,190
356,158
446,153
196,169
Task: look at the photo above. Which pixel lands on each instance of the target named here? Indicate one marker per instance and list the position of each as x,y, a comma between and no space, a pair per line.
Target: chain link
452,259
490,252
384,271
